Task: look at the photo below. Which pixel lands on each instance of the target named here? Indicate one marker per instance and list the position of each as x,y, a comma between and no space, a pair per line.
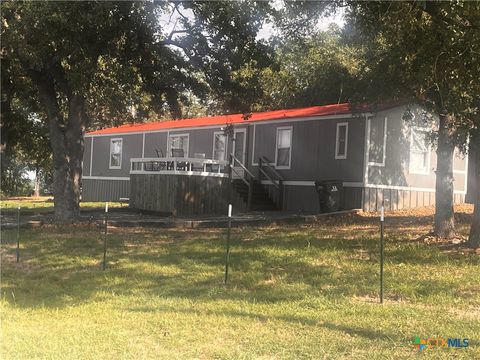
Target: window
419,152
178,145
341,141
378,141
219,146
116,153
283,153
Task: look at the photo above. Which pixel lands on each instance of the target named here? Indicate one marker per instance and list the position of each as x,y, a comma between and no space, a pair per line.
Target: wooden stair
260,199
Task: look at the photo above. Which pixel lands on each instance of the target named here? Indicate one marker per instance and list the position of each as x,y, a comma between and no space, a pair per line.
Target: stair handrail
235,159
248,182
278,184
264,161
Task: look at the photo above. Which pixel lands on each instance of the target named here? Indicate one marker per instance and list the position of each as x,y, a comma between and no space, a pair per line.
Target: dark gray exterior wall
313,158
131,148
305,198
155,141
396,171
105,190
86,157
200,140
394,199
473,181
313,149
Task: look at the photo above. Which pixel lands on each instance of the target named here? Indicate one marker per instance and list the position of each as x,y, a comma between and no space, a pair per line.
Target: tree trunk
36,186
474,237
74,143
66,138
444,214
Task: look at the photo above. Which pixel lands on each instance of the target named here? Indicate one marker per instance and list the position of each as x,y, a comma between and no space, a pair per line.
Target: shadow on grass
366,333
63,268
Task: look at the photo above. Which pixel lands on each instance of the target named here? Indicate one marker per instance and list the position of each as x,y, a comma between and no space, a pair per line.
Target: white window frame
110,166
429,152
283,167
384,149
337,143
215,133
169,147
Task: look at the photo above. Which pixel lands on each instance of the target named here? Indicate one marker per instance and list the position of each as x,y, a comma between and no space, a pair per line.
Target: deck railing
179,166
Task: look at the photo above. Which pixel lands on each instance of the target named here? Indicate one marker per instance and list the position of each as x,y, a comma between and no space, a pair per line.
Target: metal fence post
382,218
227,256
18,232
105,238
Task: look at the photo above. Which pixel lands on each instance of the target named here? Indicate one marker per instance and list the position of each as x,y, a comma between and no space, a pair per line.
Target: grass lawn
294,292
44,204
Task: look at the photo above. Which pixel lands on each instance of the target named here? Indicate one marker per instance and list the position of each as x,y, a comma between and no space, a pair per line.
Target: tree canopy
92,64
72,66
427,53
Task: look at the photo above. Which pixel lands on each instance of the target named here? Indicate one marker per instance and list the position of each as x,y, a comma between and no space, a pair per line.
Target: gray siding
131,148
200,141
305,198
473,178
301,198
86,156
155,141
396,171
313,149
400,199
105,190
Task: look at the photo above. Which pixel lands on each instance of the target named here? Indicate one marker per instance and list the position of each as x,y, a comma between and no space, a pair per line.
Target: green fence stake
18,232
227,258
382,218
105,238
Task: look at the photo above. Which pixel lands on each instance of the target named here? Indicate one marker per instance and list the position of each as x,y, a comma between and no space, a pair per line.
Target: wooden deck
182,186
182,194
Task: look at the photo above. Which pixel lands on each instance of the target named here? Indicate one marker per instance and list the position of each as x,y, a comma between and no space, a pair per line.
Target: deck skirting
182,194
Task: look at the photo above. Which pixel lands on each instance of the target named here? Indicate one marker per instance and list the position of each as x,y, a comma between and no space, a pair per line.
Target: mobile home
380,154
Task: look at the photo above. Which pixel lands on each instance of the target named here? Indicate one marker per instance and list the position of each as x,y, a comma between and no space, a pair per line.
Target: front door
239,151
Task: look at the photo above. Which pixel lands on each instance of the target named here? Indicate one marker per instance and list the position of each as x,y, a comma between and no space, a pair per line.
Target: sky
169,21
322,25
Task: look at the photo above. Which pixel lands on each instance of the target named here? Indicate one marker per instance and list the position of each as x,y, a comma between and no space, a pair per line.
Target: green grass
294,292
44,205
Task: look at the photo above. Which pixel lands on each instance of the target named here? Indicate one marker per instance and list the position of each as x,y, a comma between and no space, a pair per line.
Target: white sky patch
268,30
171,20
337,18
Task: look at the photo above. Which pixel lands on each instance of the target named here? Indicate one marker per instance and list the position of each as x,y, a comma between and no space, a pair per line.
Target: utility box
330,194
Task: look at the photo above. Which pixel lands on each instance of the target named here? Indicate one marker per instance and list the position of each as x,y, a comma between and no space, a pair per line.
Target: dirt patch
375,299
471,313
460,211
24,264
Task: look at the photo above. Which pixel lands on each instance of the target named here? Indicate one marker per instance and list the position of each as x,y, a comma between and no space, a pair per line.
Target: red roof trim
314,111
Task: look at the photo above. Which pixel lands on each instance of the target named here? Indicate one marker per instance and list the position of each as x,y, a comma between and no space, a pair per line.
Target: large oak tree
427,52
424,52
94,64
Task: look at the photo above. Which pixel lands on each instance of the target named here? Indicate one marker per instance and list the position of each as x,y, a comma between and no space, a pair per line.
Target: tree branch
432,8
